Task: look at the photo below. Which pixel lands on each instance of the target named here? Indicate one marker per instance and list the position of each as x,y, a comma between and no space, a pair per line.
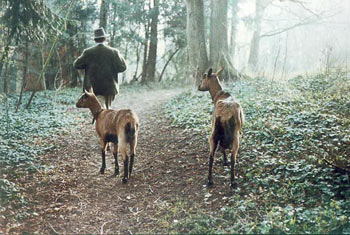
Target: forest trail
168,181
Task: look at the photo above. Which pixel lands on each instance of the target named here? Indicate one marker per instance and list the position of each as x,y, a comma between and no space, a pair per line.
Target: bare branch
279,31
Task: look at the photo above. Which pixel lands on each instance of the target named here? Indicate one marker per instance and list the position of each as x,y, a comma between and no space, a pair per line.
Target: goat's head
208,79
86,99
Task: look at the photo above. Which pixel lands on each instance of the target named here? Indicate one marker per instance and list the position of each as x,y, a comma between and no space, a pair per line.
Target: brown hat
100,33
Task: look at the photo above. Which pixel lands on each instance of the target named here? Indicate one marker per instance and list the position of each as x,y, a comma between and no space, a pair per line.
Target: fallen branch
54,230
101,229
341,169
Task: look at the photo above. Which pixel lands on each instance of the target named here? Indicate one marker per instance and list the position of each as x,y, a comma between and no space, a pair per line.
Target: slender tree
104,13
218,46
197,53
152,55
234,23
260,6
145,52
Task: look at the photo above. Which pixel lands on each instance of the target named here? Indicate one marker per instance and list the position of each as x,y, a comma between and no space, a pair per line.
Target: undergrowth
29,133
295,133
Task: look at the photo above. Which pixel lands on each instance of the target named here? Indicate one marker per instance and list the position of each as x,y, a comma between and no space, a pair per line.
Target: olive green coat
102,65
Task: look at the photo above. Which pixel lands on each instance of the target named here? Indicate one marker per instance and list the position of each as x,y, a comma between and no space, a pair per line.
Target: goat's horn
220,71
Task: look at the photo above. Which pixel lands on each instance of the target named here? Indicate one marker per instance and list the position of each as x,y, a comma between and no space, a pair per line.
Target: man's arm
121,65
80,62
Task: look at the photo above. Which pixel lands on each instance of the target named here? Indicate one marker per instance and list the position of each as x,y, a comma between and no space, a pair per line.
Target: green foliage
284,184
29,19
195,114
27,134
174,15
9,192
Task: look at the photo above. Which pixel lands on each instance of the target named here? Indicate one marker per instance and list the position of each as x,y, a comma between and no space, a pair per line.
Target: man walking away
102,64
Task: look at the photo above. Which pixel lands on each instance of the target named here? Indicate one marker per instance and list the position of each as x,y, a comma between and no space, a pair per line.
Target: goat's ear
210,71
220,71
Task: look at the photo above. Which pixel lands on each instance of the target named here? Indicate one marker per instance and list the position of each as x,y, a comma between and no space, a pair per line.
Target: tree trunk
114,24
234,23
166,64
25,68
125,57
219,54
145,53
254,51
152,55
260,6
218,32
285,58
134,78
104,14
6,85
197,53
5,54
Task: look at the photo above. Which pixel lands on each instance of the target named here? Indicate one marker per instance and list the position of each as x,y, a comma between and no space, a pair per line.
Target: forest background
287,61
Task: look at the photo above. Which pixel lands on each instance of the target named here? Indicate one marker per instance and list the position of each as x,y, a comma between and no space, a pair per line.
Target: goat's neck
215,87
95,108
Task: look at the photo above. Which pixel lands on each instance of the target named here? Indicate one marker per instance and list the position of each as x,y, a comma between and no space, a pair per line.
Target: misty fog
314,32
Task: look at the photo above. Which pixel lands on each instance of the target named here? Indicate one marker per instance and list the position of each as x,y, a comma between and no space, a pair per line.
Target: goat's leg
213,144
126,163
234,159
107,107
224,157
132,156
116,165
102,170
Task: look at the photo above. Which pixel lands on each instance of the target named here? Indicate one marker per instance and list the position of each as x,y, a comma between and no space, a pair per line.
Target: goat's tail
130,131
225,131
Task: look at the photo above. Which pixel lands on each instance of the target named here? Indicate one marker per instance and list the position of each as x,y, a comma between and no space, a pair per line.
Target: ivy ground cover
296,131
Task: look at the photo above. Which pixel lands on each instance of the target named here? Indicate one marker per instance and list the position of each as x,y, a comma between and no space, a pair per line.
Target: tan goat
227,122
119,127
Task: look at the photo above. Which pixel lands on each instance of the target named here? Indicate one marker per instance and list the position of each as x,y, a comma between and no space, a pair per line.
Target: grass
292,128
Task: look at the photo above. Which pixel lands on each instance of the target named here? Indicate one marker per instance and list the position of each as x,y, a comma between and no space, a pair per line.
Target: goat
227,122
119,127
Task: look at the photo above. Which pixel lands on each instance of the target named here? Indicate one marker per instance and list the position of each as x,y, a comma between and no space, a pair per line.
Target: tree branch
279,31
337,167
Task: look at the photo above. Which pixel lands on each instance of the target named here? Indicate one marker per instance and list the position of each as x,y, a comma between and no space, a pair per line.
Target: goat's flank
119,127
227,122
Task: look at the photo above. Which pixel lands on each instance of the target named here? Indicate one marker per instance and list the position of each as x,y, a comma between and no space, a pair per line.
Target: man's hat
100,33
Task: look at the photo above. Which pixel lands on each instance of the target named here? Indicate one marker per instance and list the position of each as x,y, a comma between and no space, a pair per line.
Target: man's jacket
102,65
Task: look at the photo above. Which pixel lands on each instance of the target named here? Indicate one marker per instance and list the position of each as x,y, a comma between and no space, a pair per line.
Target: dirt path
168,182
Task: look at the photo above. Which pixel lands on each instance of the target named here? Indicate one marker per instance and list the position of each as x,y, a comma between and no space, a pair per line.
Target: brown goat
119,127
227,122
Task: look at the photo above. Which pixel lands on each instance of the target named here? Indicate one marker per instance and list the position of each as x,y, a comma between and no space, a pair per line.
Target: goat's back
115,121
228,108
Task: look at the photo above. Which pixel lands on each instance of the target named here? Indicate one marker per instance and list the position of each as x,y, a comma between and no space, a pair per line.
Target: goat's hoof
124,181
116,173
233,185
225,163
210,183
102,171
